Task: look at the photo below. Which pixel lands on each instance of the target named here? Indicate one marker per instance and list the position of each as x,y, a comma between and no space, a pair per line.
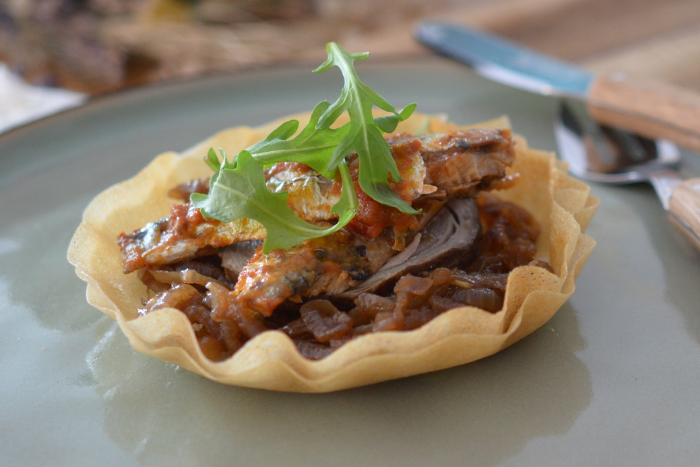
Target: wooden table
655,38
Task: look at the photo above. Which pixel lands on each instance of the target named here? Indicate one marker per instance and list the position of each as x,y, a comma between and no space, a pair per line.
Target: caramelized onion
325,321
313,350
184,190
175,297
223,308
403,295
367,306
486,299
186,276
151,282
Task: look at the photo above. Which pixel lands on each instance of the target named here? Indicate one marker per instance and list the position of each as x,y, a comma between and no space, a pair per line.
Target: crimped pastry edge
562,205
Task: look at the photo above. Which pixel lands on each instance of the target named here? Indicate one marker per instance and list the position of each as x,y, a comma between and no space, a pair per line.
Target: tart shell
561,204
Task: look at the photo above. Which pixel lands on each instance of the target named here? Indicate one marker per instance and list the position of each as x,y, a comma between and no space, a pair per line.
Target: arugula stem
238,189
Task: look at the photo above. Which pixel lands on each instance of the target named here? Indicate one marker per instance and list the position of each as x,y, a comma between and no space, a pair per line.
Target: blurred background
98,46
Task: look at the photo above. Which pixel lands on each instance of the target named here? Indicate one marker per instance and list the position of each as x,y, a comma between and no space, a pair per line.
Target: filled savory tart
305,269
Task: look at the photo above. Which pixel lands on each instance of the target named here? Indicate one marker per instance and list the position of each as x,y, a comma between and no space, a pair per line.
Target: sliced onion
325,321
486,299
176,297
186,276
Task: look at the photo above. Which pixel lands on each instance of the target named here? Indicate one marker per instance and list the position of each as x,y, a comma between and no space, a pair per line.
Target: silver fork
610,155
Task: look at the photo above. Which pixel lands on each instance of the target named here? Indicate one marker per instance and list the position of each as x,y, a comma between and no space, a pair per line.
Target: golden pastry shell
561,204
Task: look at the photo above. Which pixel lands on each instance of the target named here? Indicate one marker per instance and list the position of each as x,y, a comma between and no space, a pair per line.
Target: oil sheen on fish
321,266
432,166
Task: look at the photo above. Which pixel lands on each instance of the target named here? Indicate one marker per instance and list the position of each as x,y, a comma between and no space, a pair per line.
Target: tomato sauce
373,217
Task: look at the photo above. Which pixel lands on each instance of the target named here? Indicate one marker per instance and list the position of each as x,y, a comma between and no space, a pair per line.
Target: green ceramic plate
612,379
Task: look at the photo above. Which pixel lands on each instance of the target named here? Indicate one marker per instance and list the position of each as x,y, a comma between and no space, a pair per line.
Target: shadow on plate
485,412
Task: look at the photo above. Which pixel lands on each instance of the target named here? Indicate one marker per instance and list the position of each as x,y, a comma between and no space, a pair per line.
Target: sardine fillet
458,163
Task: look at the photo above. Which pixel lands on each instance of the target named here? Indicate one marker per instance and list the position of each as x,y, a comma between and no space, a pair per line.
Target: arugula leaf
365,133
388,123
312,146
237,190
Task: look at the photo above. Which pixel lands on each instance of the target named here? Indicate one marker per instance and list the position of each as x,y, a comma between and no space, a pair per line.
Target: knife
650,108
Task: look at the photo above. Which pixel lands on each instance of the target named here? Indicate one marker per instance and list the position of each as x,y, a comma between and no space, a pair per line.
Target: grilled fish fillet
458,163
328,265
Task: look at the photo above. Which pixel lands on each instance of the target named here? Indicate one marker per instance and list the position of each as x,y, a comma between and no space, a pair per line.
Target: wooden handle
685,206
647,107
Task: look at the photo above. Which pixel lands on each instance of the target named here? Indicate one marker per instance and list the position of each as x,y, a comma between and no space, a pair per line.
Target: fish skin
458,163
154,246
301,272
463,162
327,265
310,195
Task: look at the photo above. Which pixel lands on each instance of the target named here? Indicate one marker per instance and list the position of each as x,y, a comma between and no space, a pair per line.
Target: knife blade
646,107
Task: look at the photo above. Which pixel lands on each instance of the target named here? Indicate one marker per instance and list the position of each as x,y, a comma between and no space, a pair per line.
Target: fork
609,155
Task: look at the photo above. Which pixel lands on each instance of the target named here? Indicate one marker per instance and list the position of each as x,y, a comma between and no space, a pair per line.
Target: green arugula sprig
365,133
312,146
237,188
238,191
